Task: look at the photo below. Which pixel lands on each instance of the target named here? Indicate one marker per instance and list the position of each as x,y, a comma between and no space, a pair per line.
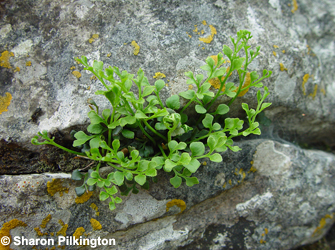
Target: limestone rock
288,201
267,196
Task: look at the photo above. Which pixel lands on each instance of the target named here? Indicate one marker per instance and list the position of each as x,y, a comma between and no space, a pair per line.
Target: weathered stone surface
286,202
53,33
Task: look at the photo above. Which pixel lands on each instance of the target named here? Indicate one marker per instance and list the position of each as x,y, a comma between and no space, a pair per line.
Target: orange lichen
38,231
85,197
62,231
5,231
79,232
93,38
95,224
28,63
245,85
276,46
295,6
76,74
95,207
159,75
282,68
209,38
4,59
45,221
55,186
4,102
314,91
136,48
242,173
305,79
322,224
252,169
179,203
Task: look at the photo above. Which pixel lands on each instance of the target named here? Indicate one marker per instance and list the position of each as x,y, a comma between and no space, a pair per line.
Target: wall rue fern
140,135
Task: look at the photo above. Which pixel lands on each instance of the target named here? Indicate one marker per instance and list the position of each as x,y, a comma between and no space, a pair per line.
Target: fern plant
140,135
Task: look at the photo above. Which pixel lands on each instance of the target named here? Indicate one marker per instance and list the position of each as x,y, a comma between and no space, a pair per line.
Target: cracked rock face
270,195
285,199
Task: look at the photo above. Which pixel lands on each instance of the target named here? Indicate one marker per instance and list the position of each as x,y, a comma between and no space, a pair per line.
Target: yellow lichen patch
252,169
4,59
95,224
85,197
229,182
322,224
93,38
189,35
224,185
5,231
215,58
190,87
93,206
28,63
274,53
179,203
283,51
242,173
295,6
245,85
262,241
204,22
323,91
209,38
93,78
17,69
305,79
159,75
45,221
266,230
38,231
282,67
79,232
4,102
204,163
73,67
56,185
314,91
76,74
62,231
195,29
109,55
136,48
276,46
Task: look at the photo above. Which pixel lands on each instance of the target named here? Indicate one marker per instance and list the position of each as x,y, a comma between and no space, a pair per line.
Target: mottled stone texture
287,202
